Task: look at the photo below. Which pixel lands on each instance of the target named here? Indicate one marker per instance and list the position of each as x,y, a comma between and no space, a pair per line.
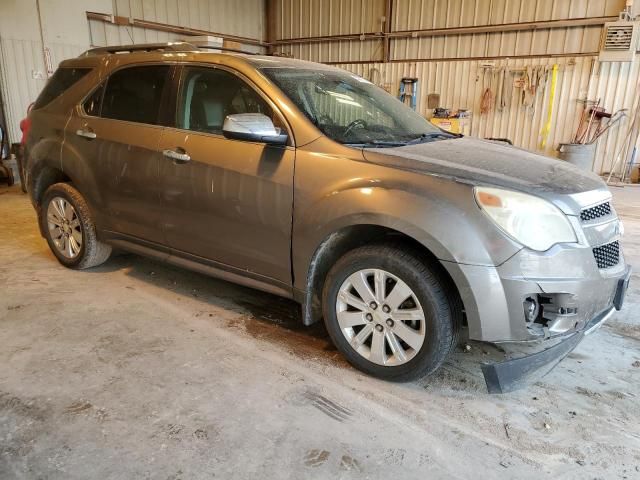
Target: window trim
166,90
101,85
178,81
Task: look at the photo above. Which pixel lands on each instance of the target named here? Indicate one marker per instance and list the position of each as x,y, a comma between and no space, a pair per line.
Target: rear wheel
388,313
69,228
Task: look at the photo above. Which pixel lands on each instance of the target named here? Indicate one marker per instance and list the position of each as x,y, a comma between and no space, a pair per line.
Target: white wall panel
67,33
245,18
23,74
313,18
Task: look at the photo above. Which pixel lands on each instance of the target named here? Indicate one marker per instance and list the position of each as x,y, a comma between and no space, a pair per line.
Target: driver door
226,201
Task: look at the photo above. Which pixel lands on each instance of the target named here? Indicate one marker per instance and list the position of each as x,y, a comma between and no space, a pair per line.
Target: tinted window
135,94
93,103
208,95
58,84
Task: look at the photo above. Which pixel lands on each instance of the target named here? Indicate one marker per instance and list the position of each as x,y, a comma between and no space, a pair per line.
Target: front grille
595,212
607,255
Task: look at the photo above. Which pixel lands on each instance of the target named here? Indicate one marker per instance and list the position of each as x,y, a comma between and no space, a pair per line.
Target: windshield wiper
376,144
425,137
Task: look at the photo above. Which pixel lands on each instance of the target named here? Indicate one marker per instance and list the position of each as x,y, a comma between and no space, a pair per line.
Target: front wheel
388,312
69,228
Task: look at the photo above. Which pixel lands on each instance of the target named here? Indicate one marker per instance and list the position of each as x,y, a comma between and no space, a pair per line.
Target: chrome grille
598,211
607,255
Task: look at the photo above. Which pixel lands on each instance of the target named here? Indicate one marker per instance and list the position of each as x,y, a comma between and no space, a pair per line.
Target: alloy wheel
381,317
64,226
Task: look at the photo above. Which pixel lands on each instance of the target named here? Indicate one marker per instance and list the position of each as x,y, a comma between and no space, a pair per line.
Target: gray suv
311,183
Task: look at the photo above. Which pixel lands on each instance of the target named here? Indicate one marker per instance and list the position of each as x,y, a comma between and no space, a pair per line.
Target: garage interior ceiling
444,43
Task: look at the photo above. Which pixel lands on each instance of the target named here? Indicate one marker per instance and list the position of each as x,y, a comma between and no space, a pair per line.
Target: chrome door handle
86,134
177,156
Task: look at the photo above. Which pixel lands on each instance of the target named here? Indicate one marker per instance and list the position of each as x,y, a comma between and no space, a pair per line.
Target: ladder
409,89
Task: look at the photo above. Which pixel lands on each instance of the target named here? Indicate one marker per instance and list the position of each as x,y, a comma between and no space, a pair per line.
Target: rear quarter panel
44,143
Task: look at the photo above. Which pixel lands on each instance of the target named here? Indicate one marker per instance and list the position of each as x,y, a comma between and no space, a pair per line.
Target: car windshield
352,110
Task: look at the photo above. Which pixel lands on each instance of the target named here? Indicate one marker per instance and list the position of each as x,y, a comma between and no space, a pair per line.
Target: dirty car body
196,186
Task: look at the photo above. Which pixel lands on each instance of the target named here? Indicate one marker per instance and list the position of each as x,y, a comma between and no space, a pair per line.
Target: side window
92,104
208,95
135,94
62,80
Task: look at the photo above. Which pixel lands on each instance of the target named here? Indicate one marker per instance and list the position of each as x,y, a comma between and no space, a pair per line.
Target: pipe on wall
165,27
437,32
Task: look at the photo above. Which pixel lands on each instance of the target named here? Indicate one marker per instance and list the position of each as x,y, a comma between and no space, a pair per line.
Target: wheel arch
339,242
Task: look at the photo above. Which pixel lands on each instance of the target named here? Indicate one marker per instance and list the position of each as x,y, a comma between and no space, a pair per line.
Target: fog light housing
531,309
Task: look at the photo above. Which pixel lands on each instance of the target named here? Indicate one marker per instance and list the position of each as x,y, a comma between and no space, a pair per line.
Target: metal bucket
578,154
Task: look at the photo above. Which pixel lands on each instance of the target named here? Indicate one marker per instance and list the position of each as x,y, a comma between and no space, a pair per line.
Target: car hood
482,162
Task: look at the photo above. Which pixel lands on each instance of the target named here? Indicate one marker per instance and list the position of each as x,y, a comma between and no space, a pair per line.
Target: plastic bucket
578,154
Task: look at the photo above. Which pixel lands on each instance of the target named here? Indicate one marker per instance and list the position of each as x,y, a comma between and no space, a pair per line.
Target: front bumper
510,375
566,277
493,299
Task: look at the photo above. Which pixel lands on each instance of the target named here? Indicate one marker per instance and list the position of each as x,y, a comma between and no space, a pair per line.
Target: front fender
445,220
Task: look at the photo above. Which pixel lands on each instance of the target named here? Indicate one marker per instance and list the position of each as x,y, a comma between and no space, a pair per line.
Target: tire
428,300
81,248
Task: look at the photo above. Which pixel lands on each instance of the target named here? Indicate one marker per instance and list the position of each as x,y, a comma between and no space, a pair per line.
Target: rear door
117,133
231,201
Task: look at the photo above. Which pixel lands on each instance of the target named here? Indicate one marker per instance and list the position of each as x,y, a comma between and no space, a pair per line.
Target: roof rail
158,47
141,47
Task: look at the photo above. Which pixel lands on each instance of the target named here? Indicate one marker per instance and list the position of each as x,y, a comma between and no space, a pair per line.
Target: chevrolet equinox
310,182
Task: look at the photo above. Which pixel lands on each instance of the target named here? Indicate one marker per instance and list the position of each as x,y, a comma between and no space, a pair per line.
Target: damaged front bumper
510,375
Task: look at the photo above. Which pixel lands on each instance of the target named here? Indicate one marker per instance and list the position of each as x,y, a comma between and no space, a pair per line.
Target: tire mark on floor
328,407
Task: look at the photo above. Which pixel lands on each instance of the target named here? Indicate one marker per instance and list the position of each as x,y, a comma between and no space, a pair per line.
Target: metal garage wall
67,33
306,18
461,84
233,17
450,65
426,14
23,74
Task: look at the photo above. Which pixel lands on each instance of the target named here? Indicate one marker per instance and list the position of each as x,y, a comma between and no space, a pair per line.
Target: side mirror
253,127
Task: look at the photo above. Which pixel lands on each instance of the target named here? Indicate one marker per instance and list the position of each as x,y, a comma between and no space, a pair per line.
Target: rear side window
58,84
135,94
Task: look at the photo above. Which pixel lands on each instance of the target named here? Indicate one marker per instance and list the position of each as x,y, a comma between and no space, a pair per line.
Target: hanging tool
411,93
501,100
552,95
487,99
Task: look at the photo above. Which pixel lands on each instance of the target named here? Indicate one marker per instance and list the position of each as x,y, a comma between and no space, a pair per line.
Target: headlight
529,220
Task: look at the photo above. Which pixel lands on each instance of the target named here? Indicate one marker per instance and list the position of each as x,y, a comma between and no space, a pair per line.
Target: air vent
620,41
618,37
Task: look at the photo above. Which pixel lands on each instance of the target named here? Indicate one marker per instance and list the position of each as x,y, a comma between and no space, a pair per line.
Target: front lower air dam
511,375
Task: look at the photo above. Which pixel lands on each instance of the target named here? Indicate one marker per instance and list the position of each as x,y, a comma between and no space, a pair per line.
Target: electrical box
620,41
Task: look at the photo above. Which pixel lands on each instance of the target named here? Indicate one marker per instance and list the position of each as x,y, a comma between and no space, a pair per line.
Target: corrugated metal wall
447,70
232,17
23,74
461,84
21,57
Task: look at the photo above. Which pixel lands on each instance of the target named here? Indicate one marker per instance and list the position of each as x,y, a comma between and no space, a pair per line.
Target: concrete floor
140,370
